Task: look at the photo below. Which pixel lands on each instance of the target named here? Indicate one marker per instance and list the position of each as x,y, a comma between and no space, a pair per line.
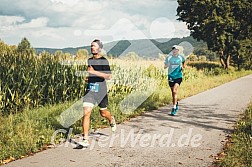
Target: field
36,91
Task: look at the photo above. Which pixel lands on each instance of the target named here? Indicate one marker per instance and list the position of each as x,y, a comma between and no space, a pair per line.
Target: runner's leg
174,90
86,121
106,114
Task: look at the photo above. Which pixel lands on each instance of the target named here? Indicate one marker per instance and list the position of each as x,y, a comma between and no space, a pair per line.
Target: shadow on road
207,117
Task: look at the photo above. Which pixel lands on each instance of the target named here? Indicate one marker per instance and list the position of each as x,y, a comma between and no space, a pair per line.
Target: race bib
93,87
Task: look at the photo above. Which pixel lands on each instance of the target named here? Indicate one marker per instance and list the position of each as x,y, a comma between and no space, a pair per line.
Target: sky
74,23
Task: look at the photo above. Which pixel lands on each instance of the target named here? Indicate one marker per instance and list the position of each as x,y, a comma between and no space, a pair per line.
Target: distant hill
143,47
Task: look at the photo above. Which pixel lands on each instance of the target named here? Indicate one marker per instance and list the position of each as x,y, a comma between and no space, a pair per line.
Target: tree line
225,25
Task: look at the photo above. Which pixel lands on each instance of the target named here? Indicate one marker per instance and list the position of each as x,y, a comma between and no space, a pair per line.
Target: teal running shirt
174,66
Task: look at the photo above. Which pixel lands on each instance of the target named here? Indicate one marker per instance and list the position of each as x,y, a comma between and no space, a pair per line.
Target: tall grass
238,151
28,131
31,80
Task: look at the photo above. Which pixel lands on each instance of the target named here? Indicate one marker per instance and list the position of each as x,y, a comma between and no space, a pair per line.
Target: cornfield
31,81
35,80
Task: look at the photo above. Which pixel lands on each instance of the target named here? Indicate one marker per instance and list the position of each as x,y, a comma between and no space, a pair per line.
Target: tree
245,53
243,56
82,54
218,23
59,54
24,47
210,55
193,57
202,58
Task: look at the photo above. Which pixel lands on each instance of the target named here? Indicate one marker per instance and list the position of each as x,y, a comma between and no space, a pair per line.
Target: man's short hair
99,43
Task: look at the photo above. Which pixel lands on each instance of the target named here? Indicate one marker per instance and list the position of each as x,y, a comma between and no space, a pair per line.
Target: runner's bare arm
183,66
166,63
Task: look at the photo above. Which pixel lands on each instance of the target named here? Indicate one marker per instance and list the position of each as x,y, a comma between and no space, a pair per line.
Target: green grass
238,151
30,131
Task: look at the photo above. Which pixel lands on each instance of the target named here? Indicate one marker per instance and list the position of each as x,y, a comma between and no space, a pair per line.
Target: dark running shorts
174,81
95,98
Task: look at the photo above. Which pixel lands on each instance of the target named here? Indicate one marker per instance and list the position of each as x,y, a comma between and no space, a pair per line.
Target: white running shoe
113,124
84,143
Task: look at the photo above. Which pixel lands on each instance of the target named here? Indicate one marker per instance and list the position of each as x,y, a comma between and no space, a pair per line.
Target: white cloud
181,29
162,28
66,2
10,20
35,23
62,23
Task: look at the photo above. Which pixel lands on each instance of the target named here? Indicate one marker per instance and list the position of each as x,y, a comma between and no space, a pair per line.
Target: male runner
96,92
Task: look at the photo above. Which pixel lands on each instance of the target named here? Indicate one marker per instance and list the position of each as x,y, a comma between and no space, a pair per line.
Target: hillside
143,47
